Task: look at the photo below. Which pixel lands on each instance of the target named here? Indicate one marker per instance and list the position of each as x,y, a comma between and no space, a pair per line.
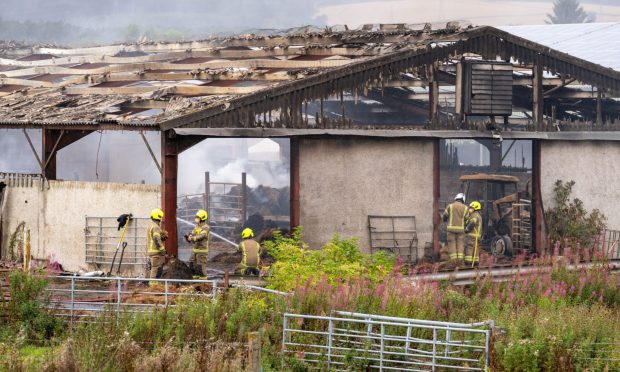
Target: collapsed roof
235,82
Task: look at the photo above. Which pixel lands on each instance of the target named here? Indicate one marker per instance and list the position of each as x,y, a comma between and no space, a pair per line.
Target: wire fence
76,298
363,342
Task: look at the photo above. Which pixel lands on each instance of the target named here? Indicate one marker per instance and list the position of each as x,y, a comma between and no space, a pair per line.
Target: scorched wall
56,216
343,180
594,167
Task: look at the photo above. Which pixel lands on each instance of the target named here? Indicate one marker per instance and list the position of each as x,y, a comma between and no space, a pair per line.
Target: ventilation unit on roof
487,88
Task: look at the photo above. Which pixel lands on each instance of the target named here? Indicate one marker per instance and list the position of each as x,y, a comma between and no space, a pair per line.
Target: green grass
547,321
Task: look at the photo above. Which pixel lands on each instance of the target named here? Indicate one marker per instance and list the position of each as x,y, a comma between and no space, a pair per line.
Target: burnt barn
383,122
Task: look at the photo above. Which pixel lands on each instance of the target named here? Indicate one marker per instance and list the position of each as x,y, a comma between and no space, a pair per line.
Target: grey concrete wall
594,167
342,181
56,216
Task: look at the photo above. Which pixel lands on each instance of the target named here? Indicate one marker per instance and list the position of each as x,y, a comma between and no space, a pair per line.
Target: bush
339,260
26,310
569,219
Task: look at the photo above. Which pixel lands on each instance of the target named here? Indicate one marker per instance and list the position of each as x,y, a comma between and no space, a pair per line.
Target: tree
568,11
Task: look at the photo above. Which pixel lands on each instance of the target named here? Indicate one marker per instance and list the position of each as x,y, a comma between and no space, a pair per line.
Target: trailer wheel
501,246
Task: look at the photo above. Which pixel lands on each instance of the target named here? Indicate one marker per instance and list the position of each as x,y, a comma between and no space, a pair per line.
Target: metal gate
225,202
102,235
607,243
395,234
353,341
77,298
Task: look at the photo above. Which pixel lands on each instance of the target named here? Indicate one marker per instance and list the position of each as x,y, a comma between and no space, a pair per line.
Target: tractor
506,212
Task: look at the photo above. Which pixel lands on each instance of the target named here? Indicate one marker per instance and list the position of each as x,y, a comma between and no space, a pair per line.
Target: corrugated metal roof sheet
594,42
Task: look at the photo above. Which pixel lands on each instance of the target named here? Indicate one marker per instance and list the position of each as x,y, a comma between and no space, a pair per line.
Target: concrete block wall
594,167
56,216
343,180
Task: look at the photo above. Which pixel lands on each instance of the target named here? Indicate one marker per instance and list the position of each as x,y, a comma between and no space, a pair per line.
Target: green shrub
26,310
339,260
569,219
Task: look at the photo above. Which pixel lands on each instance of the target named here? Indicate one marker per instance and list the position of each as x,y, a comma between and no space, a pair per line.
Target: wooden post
538,97
169,159
459,91
254,346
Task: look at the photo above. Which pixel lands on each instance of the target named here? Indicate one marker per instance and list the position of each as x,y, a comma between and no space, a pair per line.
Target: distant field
479,12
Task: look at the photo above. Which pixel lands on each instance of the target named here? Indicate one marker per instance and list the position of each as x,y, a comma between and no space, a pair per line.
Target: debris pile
176,269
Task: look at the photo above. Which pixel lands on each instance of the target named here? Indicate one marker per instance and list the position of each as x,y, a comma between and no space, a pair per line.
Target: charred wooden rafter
357,76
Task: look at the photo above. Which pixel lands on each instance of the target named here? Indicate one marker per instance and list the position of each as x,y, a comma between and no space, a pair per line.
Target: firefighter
200,241
473,229
155,244
454,215
251,253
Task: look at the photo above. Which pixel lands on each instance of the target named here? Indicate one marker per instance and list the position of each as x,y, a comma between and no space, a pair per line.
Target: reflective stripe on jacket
154,243
251,253
456,217
474,225
200,238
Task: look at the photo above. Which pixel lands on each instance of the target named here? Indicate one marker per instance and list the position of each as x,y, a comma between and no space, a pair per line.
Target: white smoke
15,153
226,158
122,157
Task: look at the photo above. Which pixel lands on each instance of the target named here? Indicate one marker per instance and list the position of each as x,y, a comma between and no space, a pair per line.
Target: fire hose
211,233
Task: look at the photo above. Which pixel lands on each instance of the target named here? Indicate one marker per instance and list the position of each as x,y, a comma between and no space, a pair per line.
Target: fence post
434,347
487,346
329,343
284,325
254,346
166,293
214,288
408,338
448,337
382,348
118,295
72,297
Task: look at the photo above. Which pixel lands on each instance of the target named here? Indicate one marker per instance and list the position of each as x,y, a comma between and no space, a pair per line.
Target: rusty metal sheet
489,177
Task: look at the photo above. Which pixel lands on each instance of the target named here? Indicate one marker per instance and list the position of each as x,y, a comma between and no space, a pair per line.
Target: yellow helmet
202,214
247,233
157,214
475,205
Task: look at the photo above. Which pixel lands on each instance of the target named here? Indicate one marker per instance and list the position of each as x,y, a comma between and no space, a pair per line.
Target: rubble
176,269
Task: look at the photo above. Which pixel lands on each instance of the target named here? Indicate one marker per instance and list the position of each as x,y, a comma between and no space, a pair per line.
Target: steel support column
436,190
49,143
54,140
169,161
537,199
294,182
